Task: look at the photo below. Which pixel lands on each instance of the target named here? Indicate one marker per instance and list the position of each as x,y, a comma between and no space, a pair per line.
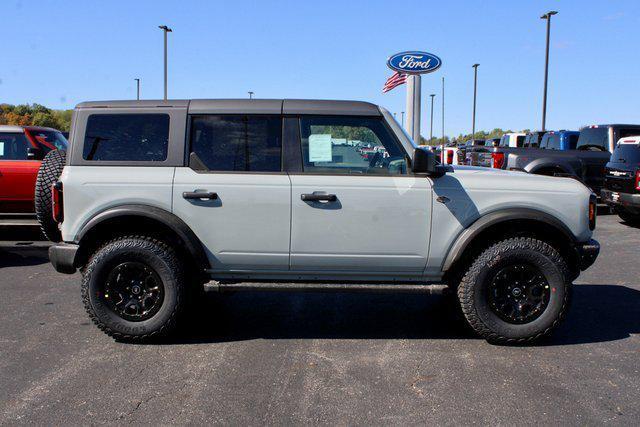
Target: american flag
396,79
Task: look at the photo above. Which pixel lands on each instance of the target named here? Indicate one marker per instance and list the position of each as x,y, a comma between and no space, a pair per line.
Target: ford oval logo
414,62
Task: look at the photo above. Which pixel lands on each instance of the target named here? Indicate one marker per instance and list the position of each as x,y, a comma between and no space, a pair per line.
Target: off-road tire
628,217
161,258
473,290
48,174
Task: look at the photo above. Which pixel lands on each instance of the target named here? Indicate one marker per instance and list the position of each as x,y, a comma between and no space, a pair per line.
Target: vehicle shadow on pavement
281,315
22,256
599,313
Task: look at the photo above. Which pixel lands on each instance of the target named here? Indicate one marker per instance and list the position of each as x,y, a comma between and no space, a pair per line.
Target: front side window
236,143
554,142
49,140
13,146
126,137
520,141
350,145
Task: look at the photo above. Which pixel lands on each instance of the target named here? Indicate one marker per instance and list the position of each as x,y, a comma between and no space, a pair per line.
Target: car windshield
49,139
626,153
593,139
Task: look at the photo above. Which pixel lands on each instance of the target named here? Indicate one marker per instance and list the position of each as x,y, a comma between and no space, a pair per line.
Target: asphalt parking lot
277,358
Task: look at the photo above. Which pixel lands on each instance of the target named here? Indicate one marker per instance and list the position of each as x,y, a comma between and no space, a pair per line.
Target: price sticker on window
320,148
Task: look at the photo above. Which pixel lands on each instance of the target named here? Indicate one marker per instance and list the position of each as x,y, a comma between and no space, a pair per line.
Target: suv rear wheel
516,291
133,288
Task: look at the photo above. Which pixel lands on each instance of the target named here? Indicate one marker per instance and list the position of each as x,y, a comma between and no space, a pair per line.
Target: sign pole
413,106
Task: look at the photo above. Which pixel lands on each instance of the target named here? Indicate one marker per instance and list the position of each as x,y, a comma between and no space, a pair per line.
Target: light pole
250,94
137,89
546,16
166,30
475,90
402,115
433,95
442,114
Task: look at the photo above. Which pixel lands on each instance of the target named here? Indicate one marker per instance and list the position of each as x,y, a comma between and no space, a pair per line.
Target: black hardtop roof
251,106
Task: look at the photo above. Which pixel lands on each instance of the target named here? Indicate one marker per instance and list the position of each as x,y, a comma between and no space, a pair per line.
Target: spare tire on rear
49,172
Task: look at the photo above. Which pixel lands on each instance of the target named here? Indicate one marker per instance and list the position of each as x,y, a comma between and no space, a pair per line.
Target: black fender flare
192,243
484,222
543,163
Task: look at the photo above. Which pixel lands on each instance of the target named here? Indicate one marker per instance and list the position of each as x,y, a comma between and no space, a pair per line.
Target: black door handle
318,197
199,195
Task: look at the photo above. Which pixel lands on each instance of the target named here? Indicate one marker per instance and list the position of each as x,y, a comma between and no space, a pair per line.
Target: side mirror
34,153
425,162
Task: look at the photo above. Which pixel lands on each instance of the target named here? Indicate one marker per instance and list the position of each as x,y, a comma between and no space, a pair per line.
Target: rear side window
236,143
545,141
13,146
554,142
126,137
573,141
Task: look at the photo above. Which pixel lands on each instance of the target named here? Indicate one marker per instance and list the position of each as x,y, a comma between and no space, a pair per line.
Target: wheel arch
541,165
509,222
139,219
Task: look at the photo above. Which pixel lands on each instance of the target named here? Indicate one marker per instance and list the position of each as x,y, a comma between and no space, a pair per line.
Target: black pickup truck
586,162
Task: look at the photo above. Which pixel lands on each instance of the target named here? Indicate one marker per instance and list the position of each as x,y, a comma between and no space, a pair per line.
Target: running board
215,286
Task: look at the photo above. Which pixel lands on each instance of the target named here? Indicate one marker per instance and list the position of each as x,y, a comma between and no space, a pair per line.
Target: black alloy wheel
133,291
518,293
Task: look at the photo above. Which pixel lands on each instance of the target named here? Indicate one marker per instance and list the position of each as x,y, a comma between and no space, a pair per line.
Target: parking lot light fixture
431,131
547,16
166,30
137,89
475,91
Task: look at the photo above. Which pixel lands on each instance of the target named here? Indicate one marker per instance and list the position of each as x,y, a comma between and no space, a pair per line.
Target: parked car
21,150
622,180
224,195
560,140
532,140
586,163
449,156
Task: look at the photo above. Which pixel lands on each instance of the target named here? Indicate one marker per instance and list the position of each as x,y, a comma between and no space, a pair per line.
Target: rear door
17,173
234,194
356,214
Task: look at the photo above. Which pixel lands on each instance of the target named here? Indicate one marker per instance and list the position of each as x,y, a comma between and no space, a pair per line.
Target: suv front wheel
133,288
516,291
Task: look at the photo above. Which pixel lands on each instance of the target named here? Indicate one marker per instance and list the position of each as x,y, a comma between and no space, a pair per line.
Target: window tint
545,141
350,145
13,146
573,141
520,140
626,153
236,143
594,139
554,142
127,137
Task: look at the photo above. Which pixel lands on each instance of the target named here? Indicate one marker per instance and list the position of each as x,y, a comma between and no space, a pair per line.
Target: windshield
49,139
593,139
626,153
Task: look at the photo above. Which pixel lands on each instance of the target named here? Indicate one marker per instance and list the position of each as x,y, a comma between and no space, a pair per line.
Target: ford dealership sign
414,62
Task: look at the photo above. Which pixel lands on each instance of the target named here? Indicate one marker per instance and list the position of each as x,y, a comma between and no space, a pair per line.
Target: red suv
21,150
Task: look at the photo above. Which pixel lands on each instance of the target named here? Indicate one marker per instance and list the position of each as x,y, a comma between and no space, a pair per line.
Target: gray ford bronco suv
156,200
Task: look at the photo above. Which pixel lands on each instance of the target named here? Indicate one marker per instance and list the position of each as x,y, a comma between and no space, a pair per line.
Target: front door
234,195
354,207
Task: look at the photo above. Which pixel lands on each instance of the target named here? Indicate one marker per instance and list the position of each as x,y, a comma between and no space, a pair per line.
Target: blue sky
59,53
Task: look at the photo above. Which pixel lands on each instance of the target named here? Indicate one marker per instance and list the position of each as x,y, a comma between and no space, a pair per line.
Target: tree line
35,115
495,133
